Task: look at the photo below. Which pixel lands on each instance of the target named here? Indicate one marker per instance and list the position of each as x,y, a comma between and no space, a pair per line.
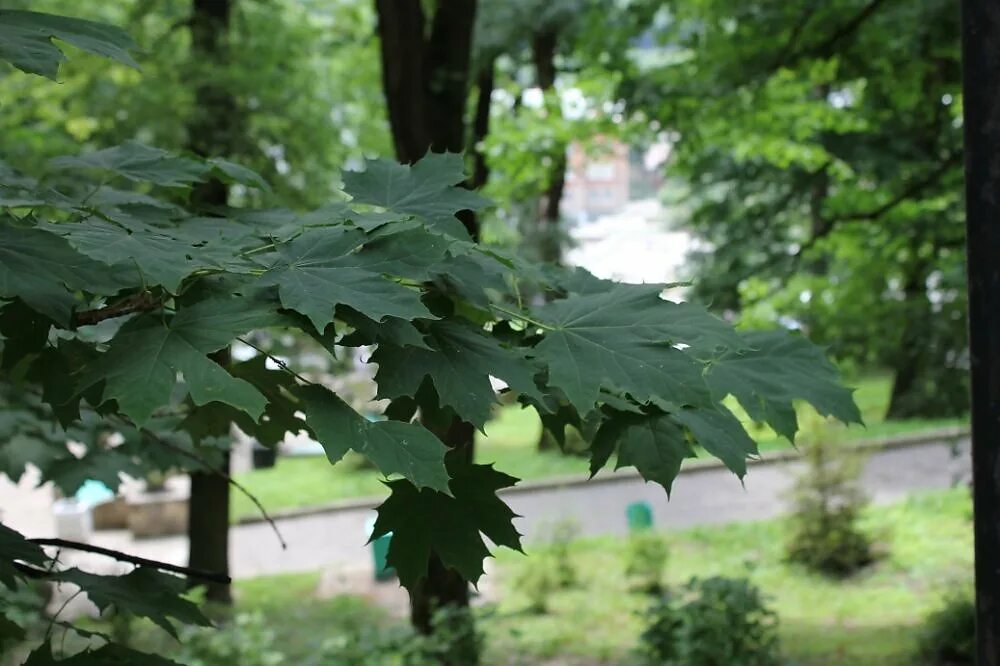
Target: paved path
335,539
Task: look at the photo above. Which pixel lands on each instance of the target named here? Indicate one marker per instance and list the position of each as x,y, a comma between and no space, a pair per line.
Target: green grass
872,618
510,442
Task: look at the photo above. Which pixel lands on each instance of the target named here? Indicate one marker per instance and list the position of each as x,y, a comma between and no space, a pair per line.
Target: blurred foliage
305,77
821,145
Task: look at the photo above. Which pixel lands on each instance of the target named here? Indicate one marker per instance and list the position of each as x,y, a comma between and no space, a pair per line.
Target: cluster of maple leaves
115,300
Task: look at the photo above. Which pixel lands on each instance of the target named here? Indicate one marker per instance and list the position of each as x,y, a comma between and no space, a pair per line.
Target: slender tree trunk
425,79
908,398
547,234
211,132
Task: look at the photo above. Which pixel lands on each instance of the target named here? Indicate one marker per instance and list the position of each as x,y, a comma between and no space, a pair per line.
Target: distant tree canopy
821,145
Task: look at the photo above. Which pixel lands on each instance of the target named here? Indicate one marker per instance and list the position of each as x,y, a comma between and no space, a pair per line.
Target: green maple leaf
26,40
459,364
159,258
775,369
323,268
15,548
143,592
426,189
368,332
623,340
654,444
721,434
41,269
109,654
279,418
140,368
140,163
423,521
395,447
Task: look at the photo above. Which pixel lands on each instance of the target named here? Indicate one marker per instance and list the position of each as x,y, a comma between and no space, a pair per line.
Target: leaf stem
523,317
277,361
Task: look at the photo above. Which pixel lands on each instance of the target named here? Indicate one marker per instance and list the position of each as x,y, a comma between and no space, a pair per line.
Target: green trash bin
380,553
639,516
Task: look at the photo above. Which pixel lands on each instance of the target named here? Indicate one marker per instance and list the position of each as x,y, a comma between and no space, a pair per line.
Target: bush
645,561
828,501
712,622
454,639
244,640
949,633
551,569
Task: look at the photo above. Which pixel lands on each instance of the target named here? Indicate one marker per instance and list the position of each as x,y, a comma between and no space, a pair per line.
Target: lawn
511,443
872,618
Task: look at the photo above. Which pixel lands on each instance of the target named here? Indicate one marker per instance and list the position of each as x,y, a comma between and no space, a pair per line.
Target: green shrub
244,640
712,622
550,569
454,640
537,580
828,502
948,636
645,561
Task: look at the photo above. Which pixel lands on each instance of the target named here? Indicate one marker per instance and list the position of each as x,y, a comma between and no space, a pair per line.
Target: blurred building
603,176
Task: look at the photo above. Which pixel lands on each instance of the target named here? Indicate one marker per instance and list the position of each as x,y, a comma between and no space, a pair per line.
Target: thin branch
915,188
132,559
845,30
277,361
141,302
215,470
793,38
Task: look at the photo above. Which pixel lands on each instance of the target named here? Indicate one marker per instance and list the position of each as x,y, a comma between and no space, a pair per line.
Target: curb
939,436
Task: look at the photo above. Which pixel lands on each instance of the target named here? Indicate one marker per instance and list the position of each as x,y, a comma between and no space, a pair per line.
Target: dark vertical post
981,84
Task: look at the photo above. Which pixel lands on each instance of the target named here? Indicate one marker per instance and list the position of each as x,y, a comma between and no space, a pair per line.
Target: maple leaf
41,269
423,521
15,548
143,592
26,40
109,654
140,368
322,269
395,447
623,339
426,189
774,369
459,363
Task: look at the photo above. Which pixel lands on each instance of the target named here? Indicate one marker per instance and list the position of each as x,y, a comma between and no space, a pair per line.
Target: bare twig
132,559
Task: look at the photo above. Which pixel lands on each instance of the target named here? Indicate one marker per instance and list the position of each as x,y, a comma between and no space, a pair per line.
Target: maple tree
115,298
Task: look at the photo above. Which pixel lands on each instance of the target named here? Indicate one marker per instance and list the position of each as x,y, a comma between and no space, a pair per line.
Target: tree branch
845,30
141,302
229,479
132,559
485,82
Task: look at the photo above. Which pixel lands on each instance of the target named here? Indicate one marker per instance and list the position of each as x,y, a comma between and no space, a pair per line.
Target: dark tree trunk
425,79
211,132
909,397
208,530
547,234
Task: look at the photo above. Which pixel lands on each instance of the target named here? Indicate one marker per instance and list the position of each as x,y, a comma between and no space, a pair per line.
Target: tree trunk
547,234
211,132
425,79
908,398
